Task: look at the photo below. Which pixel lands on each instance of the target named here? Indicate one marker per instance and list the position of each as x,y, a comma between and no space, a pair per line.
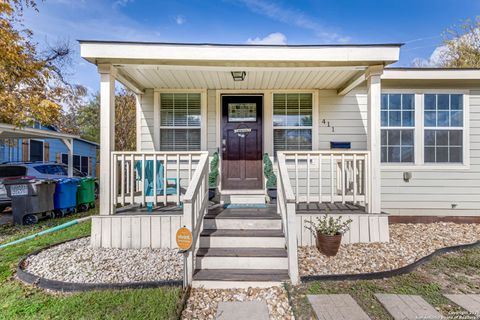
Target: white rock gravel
408,243
203,303
77,262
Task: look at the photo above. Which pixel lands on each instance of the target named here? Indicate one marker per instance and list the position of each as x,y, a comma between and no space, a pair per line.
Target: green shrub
213,175
268,171
327,225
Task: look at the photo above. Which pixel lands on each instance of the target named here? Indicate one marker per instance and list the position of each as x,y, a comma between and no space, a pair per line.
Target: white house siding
347,116
432,192
146,121
211,121
429,192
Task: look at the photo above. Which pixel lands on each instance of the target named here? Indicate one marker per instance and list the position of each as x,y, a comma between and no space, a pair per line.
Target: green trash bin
86,194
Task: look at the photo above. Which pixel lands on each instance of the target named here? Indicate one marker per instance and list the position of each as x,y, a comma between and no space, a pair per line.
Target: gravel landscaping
408,243
202,303
77,262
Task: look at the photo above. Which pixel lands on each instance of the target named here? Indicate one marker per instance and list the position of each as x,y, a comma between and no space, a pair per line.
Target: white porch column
107,135
374,94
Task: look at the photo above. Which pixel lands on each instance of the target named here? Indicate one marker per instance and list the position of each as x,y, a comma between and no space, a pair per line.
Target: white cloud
293,17
272,38
121,3
434,60
180,20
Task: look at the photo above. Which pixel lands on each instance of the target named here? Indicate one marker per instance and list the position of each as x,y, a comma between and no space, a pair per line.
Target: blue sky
417,23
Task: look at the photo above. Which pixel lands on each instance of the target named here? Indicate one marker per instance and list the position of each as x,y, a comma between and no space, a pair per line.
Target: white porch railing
286,209
328,176
317,176
195,206
154,178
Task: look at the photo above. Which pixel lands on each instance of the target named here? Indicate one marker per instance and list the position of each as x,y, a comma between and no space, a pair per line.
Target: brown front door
242,142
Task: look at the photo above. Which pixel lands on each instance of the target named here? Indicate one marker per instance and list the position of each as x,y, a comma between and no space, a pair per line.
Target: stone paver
246,310
336,307
408,307
469,302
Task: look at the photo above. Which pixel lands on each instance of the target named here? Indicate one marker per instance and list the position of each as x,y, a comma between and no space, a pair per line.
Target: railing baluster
113,183
122,179
178,179
319,178
354,178
332,184
155,173
296,177
343,176
142,181
308,178
132,179
165,173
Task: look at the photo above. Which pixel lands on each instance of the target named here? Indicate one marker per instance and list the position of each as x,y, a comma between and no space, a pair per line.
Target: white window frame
203,116
30,149
400,128
419,143
313,127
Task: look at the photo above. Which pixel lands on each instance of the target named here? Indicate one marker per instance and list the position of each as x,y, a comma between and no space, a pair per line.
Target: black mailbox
340,145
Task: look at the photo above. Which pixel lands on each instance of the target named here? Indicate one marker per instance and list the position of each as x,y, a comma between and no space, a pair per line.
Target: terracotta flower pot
328,245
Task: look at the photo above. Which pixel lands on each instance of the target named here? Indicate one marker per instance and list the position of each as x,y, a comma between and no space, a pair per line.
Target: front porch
241,102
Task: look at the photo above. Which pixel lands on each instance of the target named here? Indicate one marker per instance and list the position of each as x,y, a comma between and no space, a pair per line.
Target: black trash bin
31,198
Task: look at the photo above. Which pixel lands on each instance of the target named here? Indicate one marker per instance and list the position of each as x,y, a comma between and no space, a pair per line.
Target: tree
32,83
88,120
462,46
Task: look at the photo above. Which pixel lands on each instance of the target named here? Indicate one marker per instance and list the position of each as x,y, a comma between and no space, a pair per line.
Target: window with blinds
292,121
180,121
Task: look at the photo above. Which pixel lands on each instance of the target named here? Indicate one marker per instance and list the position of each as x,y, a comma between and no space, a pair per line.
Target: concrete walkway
407,307
469,302
336,307
245,310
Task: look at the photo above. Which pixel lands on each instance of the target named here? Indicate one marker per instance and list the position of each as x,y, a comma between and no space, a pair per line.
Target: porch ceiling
221,78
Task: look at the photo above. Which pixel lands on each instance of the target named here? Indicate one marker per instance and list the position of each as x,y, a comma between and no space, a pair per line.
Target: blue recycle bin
65,196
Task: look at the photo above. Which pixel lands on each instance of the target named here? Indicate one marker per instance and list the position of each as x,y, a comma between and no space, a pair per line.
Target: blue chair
171,188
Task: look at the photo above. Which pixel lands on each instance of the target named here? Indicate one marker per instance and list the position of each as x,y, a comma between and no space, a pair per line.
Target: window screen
180,121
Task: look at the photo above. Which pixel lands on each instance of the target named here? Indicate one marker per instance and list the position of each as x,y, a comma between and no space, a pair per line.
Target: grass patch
19,301
451,273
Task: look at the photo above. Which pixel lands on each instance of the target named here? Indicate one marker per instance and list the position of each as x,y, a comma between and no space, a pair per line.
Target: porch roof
143,65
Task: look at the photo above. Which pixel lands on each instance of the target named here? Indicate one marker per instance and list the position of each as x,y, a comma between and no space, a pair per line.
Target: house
347,134
45,149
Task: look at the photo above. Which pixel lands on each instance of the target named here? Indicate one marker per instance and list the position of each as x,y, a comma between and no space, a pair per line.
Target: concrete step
226,238
237,223
238,278
242,258
243,198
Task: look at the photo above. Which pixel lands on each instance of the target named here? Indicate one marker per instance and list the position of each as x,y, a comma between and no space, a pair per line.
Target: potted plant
328,232
213,176
271,178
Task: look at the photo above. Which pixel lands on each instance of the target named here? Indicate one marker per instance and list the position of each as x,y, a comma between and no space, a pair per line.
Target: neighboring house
50,150
362,139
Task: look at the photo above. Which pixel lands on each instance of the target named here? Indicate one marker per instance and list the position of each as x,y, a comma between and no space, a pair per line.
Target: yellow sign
184,238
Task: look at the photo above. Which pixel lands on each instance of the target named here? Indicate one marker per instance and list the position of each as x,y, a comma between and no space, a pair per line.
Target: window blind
180,121
292,121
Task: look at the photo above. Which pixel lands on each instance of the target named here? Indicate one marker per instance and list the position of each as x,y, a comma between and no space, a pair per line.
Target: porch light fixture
238,75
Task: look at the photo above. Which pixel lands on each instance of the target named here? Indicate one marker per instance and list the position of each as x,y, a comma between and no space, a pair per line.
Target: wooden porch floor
331,208
219,211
